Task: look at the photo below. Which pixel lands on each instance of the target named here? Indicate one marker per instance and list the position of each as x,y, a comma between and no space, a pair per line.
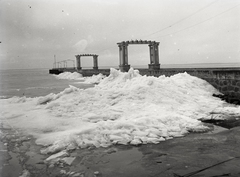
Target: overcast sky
189,31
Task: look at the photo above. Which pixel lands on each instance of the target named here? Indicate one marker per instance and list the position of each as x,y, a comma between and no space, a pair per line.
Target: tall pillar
156,53
126,54
151,53
95,62
123,57
78,60
120,55
154,57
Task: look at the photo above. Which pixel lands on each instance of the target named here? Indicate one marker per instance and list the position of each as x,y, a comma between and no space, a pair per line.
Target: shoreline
176,156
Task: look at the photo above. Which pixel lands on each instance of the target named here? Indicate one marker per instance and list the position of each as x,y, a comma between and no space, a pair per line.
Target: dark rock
228,98
227,123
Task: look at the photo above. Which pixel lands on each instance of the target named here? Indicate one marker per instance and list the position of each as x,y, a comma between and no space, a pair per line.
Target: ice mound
95,79
69,76
124,108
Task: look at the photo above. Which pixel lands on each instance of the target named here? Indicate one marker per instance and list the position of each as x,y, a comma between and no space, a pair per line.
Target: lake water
32,83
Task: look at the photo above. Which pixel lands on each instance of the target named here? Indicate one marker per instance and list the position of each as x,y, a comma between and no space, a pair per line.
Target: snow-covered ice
124,108
95,79
70,76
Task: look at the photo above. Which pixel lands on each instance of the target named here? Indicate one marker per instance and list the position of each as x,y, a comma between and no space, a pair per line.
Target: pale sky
189,31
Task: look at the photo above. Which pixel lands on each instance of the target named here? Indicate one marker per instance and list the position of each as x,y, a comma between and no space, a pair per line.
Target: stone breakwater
226,80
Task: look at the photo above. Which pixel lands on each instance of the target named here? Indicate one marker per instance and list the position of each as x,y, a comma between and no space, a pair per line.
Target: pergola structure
95,60
123,54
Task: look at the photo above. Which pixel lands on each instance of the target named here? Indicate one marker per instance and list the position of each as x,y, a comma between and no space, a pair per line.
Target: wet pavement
215,153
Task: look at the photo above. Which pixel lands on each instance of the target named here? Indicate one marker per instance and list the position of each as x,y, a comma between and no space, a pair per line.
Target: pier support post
95,62
78,60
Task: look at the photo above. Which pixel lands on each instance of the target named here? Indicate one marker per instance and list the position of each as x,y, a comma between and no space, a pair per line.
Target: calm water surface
32,83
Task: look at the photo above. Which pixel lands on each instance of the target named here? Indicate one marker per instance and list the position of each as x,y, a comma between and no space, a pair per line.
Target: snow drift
124,108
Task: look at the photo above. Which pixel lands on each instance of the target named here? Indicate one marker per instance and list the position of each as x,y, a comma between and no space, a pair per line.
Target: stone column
156,53
123,57
120,55
78,60
154,56
151,53
95,62
126,54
